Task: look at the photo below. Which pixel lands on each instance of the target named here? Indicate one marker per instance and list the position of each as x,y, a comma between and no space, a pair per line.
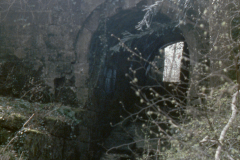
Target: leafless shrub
184,126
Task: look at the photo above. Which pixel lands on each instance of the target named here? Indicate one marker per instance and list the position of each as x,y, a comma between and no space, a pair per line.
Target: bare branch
230,121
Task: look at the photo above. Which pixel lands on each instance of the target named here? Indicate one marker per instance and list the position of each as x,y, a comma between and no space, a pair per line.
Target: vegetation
193,118
197,117
19,79
24,124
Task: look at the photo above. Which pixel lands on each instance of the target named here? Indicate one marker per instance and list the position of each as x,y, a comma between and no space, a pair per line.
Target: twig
23,128
28,120
21,156
229,157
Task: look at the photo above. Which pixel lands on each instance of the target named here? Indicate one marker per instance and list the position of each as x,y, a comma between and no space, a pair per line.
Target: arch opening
109,64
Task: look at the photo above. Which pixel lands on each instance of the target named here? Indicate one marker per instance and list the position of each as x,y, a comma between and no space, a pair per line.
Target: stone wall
54,37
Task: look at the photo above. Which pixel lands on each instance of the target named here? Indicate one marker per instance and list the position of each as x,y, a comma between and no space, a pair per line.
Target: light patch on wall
172,62
19,52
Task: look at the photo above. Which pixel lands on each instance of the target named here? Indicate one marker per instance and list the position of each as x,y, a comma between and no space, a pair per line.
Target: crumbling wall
54,37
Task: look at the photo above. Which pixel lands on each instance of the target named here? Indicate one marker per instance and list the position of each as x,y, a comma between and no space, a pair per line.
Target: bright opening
172,62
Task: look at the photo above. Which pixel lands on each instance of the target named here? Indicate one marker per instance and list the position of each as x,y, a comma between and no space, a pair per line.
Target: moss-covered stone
40,130
14,121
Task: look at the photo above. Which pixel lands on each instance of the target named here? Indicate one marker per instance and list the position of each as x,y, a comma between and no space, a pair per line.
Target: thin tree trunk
222,135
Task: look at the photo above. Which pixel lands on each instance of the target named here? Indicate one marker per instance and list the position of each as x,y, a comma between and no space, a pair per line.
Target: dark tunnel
111,85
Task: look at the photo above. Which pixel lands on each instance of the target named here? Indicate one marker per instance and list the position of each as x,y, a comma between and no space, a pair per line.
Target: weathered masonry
68,45
56,37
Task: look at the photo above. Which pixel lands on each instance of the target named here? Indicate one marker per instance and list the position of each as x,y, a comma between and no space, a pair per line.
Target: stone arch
102,12
108,10
107,67
107,82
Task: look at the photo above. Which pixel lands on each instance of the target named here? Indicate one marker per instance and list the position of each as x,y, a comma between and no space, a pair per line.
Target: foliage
194,118
20,80
20,128
197,138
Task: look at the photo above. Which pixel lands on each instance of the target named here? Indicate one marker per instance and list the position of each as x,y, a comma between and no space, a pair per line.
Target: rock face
54,37
60,51
41,131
